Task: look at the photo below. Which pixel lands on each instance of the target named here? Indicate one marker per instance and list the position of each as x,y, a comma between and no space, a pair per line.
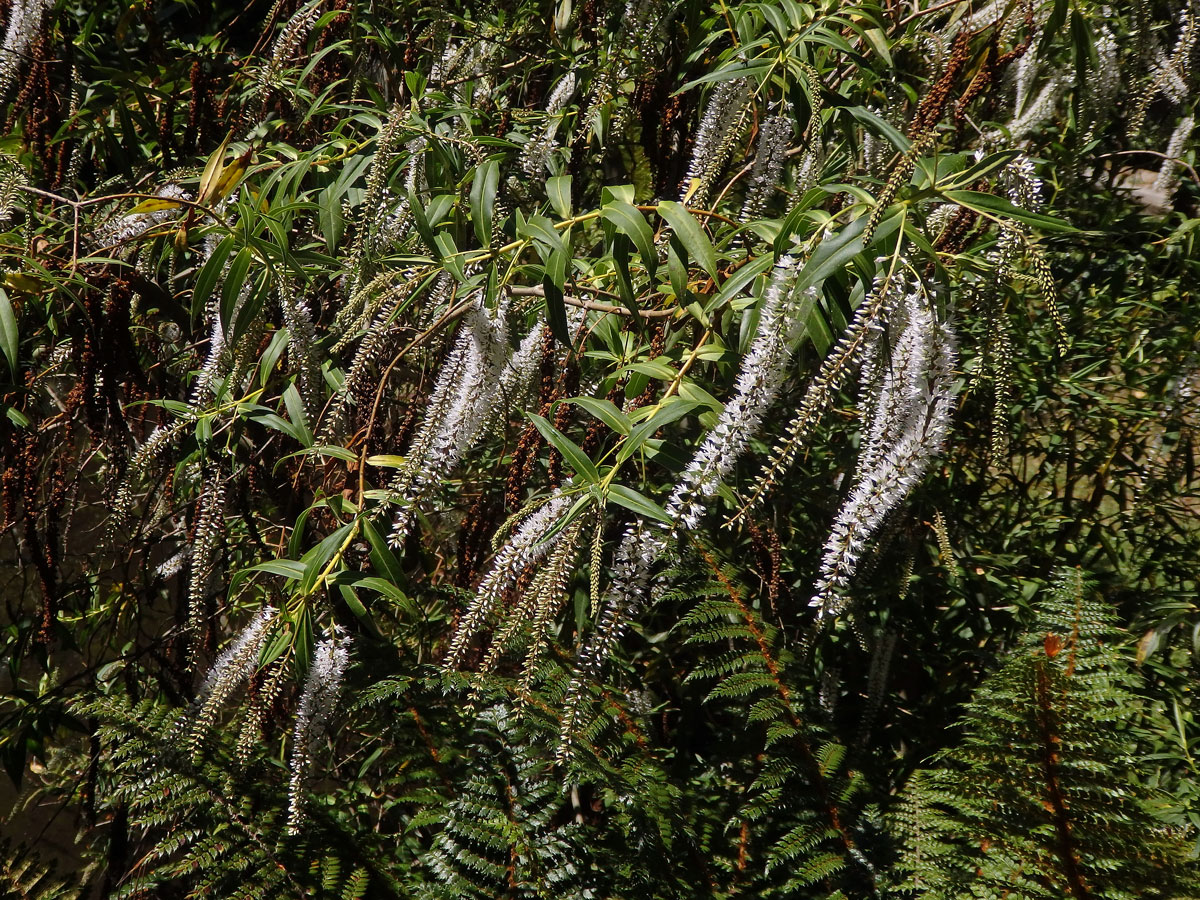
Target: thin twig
926,12
596,307
1175,159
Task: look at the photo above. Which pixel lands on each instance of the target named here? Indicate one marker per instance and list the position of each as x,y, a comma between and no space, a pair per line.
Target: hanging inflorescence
480,377
907,424
322,688
24,24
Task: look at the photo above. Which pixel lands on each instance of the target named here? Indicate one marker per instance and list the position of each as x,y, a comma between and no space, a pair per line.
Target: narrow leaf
638,503
606,411
558,190
8,331
630,222
991,205
210,273
552,286
568,448
232,288
158,204
212,172
662,416
483,199
690,234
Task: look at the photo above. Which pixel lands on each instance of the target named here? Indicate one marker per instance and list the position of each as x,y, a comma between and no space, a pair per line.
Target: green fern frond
1041,797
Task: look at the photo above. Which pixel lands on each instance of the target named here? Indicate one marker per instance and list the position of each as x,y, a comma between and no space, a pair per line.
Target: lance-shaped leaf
568,448
690,235
629,220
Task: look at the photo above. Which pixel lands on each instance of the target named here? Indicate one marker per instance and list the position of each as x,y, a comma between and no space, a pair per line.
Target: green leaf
271,356
295,408
677,270
981,169
210,273
212,171
274,648
356,606
881,126
620,256
690,235
660,418
386,461
8,331
568,448
629,221
291,569
993,206
654,368
606,411
332,219
384,587
553,281
272,420
738,281
329,450
155,204
383,559
1052,30
833,253
742,70
421,221
232,288
695,394
448,254
558,190
303,644
541,229
638,503
315,560
483,199
586,500
250,308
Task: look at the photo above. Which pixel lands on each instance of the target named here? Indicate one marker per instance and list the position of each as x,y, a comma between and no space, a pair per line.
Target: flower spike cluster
774,137
871,316
759,380
24,23
907,428
481,376
762,374
322,689
294,33
536,154
715,140
456,411
232,669
1168,174
527,546
238,660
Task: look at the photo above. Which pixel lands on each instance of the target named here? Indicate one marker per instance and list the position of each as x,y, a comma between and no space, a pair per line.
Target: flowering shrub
542,449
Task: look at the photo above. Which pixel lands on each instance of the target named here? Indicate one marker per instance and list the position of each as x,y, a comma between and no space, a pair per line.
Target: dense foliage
648,449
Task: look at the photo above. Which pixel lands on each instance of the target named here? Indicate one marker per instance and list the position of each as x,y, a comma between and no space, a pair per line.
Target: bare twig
597,307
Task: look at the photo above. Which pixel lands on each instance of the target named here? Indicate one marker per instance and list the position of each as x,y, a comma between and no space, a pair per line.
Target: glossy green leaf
571,451
558,190
606,411
690,235
637,502
991,205
8,332
483,199
553,281
630,222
